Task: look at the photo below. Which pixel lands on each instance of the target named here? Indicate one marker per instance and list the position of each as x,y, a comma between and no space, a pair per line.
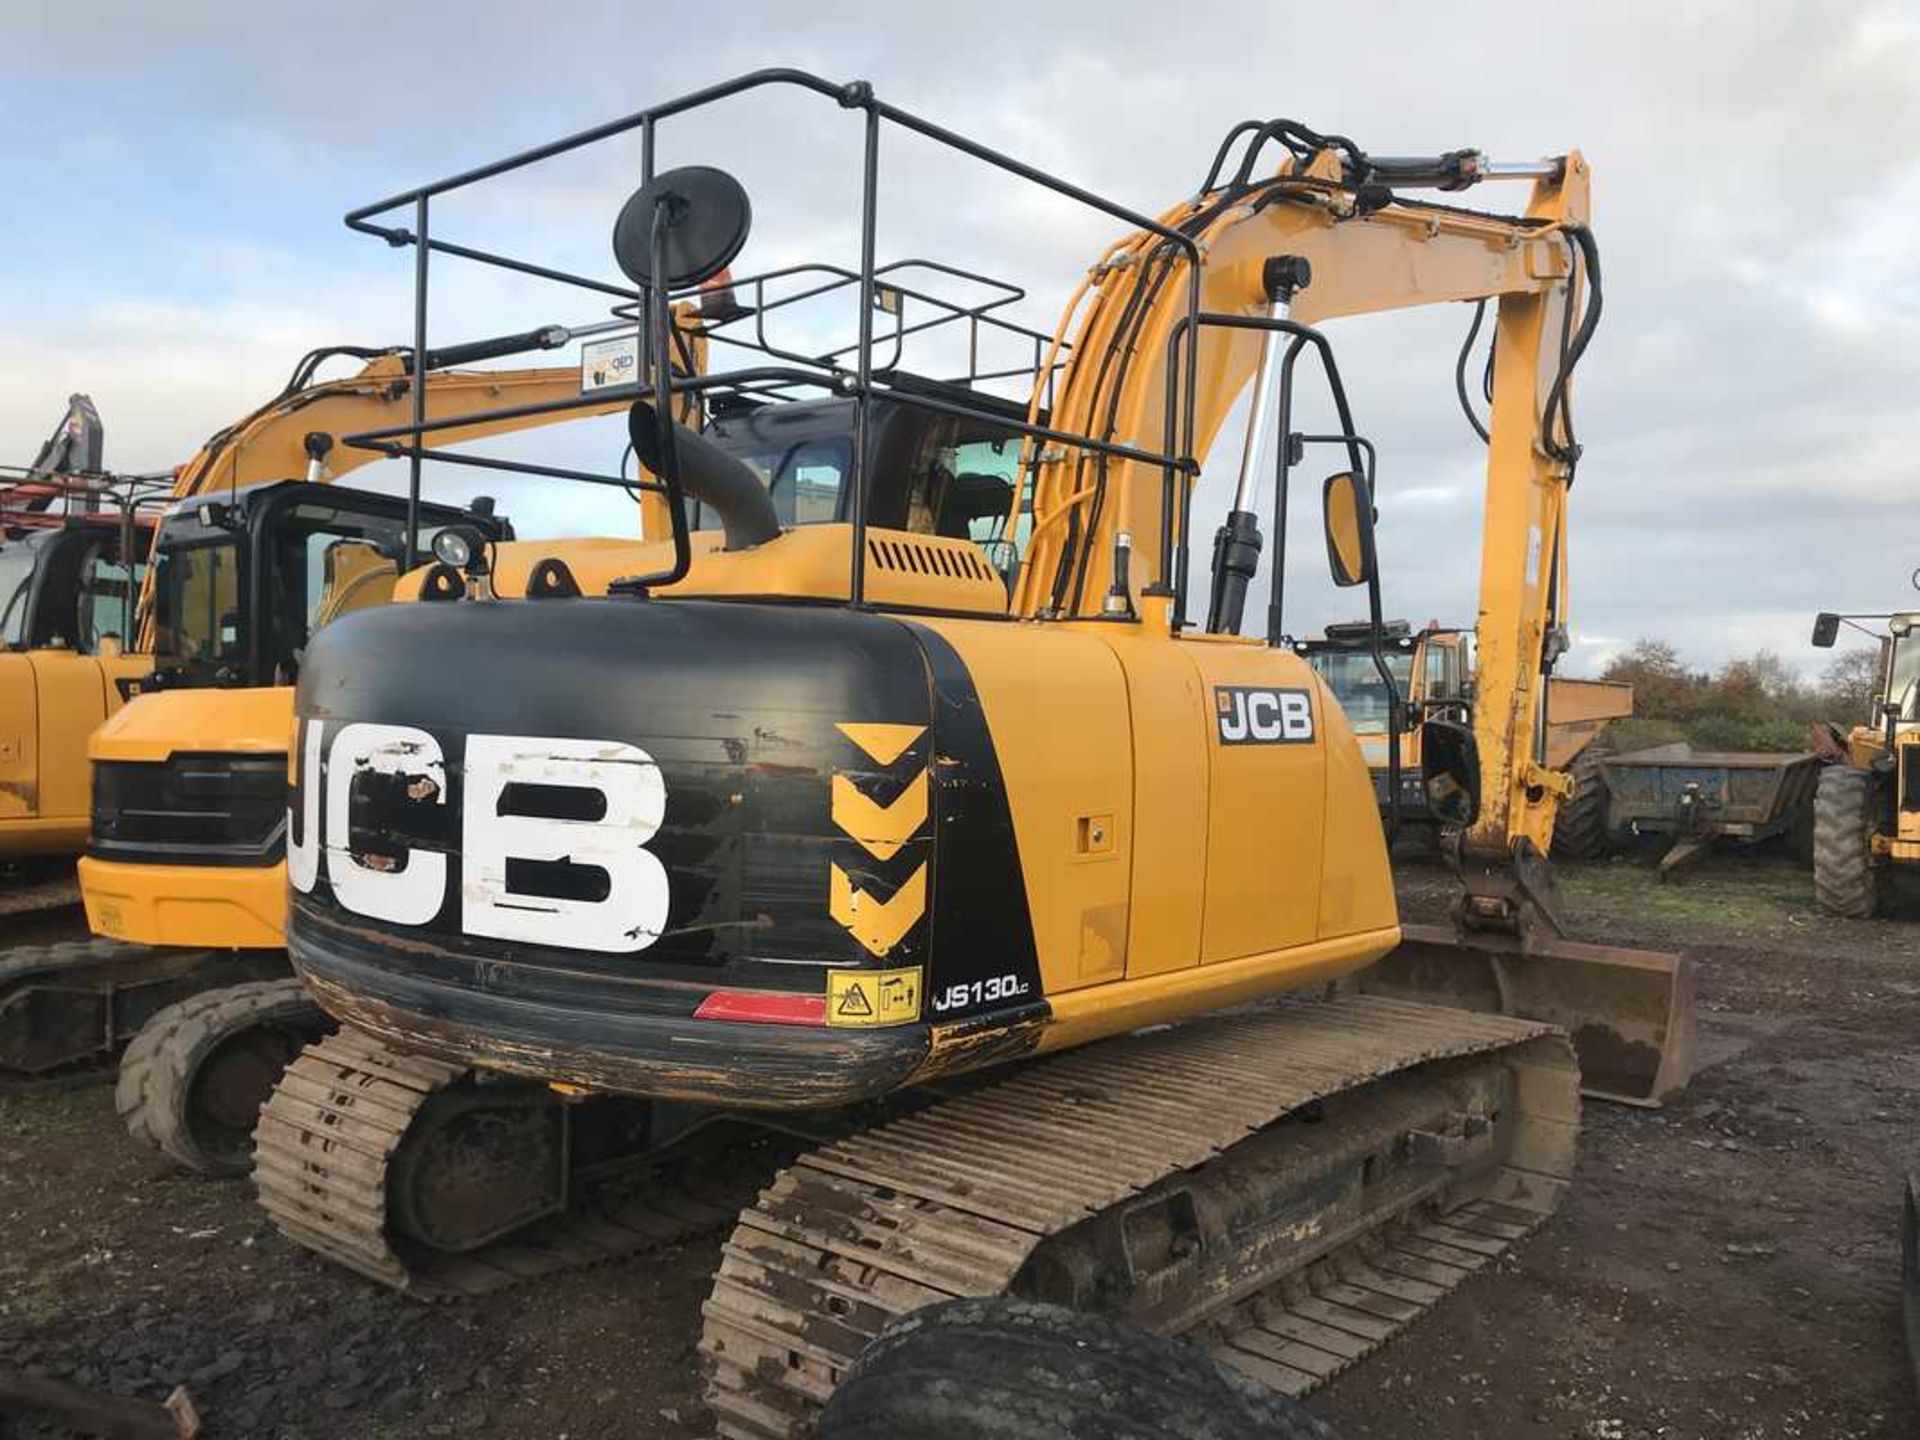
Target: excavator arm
1319,240
298,432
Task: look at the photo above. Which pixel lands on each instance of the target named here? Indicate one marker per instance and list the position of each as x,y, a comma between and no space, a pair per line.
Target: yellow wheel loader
955,837
1866,811
1432,676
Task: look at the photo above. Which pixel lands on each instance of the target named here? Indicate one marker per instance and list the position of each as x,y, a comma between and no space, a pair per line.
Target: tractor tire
1845,879
1580,829
1005,1369
193,1079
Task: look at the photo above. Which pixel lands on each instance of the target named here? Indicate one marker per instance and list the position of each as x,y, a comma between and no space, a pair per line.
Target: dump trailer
955,834
1866,823
1694,797
1431,671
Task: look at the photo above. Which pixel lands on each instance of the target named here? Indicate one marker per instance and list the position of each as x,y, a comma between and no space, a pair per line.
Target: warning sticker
873,997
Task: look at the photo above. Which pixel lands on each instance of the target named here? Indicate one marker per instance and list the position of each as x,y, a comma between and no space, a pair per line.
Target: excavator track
325,1157
1099,1154
38,895
67,1009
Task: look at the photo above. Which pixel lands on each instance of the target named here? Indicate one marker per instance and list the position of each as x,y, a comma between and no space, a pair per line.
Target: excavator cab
72,561
242,580
186,834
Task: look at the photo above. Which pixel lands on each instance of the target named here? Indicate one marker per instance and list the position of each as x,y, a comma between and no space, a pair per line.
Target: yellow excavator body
218,906
939,790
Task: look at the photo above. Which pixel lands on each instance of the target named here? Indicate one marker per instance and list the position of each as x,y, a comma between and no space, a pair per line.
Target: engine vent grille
915,557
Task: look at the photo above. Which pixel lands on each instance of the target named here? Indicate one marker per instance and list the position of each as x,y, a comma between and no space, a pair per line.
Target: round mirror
705,215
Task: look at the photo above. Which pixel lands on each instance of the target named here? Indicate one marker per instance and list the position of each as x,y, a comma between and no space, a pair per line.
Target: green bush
1775,733
1638,732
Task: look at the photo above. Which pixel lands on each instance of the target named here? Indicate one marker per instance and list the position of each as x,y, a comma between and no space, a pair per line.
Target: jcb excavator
970,845
1432,675
73,541
1866,813
183,876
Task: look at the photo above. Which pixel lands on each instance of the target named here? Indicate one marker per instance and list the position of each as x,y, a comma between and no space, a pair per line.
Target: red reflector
763,1007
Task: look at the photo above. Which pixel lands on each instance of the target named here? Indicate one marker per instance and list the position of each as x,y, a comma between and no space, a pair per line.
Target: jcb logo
1249,715
528,802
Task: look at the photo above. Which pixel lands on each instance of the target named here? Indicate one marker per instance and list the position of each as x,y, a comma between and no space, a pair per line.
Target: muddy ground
1724,1268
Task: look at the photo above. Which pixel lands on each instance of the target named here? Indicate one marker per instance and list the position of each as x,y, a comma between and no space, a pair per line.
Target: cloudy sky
175,176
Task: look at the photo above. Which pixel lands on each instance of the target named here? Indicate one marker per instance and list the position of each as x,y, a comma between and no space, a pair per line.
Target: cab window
197,615
108,590
16,585
1440,672
964,489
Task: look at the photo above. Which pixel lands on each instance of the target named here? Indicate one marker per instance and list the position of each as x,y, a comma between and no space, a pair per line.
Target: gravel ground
1724,1268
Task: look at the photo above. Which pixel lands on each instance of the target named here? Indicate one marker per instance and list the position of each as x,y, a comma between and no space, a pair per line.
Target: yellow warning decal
873,997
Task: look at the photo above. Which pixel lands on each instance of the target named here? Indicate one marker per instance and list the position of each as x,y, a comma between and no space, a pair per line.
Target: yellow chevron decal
880,829
885,743
877,924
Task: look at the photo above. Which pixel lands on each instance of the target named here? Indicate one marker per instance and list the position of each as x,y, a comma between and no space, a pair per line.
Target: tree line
1753,702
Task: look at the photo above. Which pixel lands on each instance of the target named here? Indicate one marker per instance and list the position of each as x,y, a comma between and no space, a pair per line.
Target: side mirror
1347,512
1450,771
1826,630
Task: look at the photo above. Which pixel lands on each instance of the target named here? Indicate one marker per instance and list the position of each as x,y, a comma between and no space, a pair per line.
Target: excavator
182,879
961,863
1432,674
73,539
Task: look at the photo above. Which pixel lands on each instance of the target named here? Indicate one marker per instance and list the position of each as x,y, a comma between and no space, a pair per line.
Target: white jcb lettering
1296,715
1263,714
634,910
1233,718
408,885
411,890
1249,715
303,828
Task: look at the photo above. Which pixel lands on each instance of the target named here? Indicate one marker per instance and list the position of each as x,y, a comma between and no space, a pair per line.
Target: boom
1361,255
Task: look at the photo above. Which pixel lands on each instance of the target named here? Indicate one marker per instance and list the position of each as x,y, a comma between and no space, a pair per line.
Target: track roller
440,1182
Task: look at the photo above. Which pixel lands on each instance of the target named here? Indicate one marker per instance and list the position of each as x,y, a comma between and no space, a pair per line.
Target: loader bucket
1630,1012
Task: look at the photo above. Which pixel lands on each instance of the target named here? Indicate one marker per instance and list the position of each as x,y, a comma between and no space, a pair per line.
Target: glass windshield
971,495
196,611
1903,674
329,561
16,581
962,489
108,590
1357,685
